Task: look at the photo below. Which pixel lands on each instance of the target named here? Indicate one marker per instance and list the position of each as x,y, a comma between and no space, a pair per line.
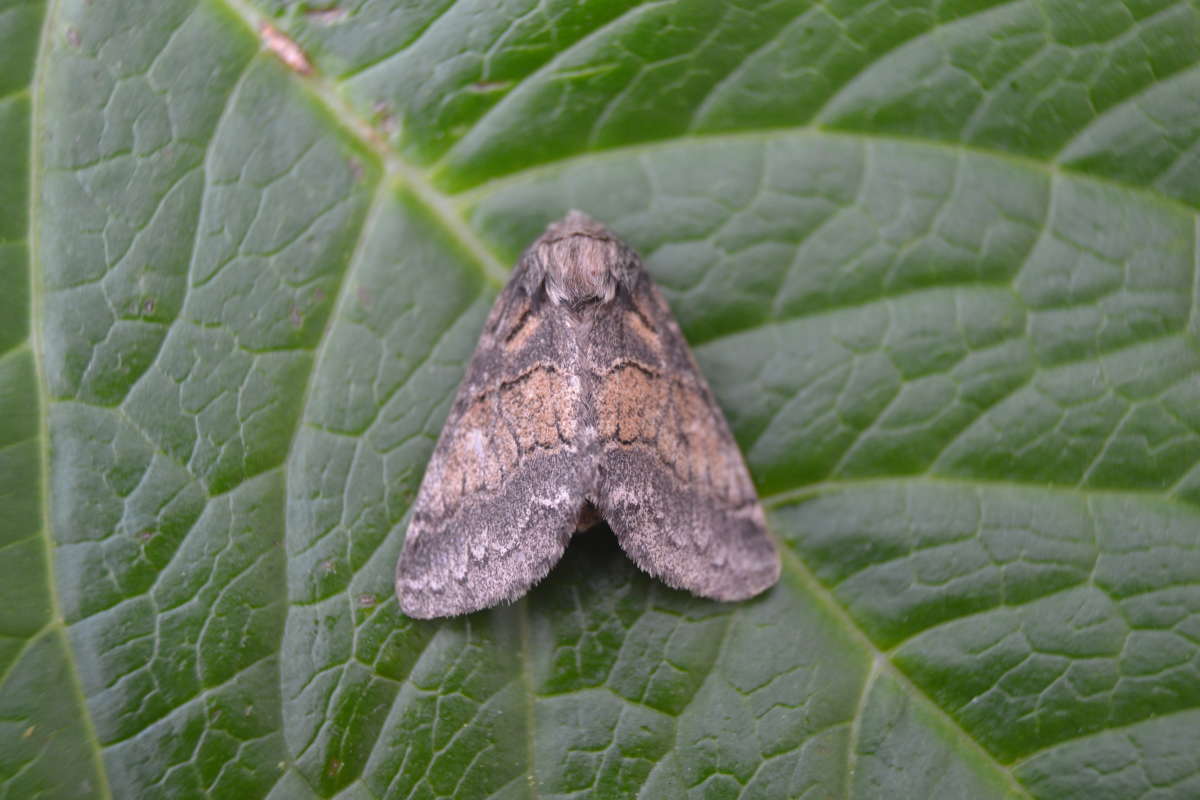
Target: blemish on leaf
145,535
28,732
356,169
318,295
364,296
366,600
148,306
328,566
73,37
295,317
335,766
285,48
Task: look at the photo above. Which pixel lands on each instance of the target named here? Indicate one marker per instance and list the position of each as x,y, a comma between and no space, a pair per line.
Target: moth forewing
581,398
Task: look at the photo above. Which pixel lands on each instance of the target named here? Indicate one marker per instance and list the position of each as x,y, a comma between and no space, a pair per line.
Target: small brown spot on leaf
285,48
328,566
318,295
73,37
148,306
335,766
295,317
366,600
145,535
28,731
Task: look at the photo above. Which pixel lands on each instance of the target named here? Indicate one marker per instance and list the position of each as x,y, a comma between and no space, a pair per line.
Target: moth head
580,261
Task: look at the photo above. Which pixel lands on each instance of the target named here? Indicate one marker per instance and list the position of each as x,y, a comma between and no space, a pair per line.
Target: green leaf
938,261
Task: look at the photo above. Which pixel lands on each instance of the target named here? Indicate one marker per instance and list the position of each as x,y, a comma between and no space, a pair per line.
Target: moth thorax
581,268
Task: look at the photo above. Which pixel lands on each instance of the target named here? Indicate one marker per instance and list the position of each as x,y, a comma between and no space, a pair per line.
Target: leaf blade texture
938,262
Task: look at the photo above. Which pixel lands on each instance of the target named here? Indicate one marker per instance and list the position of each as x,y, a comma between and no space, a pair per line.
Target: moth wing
507,478
672,483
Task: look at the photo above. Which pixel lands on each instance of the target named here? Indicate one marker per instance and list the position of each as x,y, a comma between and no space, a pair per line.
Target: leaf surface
938,261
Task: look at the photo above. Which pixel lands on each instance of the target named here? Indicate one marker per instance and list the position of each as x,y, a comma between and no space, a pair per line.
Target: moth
582,402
